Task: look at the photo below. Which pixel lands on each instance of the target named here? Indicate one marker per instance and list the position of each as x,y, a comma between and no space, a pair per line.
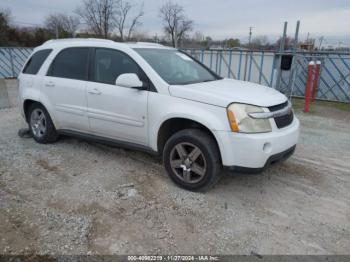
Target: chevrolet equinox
158,99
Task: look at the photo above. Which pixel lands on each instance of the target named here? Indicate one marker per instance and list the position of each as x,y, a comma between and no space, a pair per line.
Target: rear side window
71,63
36,61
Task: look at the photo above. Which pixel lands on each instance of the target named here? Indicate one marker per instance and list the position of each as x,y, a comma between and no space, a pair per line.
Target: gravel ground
77,197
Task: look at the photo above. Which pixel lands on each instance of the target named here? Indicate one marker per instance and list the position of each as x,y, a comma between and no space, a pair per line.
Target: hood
226,91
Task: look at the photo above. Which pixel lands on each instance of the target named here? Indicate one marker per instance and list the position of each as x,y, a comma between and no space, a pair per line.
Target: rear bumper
256,151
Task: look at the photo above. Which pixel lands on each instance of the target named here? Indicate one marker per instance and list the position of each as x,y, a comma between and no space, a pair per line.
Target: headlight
240,121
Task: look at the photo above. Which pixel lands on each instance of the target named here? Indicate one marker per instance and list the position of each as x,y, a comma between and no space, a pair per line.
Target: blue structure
262,68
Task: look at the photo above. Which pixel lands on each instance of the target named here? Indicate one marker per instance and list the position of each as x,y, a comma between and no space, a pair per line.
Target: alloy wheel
38,123
188,163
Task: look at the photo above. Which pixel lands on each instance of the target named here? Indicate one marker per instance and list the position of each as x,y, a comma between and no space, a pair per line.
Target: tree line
112,19
118,20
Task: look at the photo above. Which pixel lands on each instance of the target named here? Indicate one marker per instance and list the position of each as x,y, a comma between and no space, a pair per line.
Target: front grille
278,107
285,120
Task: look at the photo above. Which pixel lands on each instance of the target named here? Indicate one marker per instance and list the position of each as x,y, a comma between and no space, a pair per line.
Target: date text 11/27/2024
173,258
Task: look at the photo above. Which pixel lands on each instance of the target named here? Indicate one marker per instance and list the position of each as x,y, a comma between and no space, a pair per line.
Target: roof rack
145,43
77,40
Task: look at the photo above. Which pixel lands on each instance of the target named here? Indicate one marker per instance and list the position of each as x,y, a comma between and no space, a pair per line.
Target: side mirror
131,81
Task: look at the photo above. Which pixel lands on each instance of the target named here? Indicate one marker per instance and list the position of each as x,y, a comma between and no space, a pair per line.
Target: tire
43,131
198,170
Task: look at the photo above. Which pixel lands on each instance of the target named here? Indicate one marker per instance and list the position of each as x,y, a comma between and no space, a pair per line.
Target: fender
50,107
38,96
212,117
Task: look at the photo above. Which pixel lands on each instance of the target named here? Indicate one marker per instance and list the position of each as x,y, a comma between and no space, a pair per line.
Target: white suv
157,99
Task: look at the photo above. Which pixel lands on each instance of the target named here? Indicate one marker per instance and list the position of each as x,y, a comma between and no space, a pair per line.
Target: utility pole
321,41
339,44
56,31
156,38
175,32
281,49
246,55
250,36
294,56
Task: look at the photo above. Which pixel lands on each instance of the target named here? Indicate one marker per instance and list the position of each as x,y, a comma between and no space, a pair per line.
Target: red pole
316,79
309,86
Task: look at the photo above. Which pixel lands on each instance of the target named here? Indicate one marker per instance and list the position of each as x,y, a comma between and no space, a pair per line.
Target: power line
25,23
55,7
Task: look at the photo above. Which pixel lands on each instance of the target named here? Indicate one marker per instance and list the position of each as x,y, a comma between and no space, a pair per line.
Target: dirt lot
77,197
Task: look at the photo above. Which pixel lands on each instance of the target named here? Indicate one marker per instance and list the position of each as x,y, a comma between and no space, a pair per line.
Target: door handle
50,84
95,91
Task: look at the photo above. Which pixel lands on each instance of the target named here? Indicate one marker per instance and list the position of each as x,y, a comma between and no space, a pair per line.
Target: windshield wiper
194,82
209,80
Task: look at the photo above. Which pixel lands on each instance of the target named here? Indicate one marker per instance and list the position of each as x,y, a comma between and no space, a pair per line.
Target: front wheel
192,159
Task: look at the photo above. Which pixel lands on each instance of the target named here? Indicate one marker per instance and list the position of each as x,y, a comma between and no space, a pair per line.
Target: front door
114,111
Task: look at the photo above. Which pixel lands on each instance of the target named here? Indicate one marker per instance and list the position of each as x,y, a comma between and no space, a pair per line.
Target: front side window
176,68
36,61
71,63
109,64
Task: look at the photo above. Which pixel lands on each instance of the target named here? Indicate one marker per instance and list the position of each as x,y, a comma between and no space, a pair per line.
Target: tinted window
109,64
71,63
35,62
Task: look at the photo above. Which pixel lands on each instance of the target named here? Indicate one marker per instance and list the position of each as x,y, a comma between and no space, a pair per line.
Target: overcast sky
222,19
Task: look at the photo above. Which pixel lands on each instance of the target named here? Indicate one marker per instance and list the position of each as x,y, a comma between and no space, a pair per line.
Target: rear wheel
41,125
191,158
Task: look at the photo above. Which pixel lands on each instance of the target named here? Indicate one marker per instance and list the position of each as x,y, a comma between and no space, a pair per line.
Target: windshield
176,68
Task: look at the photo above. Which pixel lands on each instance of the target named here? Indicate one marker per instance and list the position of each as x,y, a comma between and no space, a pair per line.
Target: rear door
66,80
115,111
29,78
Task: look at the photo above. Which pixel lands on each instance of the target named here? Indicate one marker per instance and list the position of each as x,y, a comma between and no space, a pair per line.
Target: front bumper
271,160
256,151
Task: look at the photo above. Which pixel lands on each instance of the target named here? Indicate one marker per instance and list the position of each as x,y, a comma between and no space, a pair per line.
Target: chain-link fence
263,68
12,60
255,66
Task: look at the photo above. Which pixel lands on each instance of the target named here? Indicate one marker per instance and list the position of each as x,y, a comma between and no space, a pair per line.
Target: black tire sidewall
50,135
206,145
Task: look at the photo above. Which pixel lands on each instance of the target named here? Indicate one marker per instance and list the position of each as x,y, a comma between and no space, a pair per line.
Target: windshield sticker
184,57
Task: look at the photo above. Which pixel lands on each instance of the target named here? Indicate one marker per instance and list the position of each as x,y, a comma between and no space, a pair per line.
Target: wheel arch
26,105
173,125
